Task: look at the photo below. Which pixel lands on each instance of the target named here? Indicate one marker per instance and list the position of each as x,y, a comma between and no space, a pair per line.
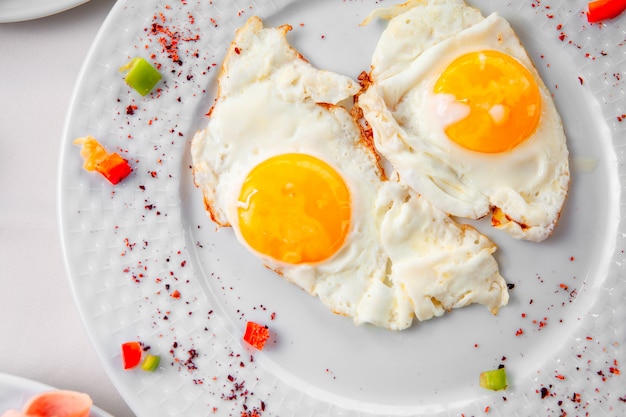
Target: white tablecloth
41,333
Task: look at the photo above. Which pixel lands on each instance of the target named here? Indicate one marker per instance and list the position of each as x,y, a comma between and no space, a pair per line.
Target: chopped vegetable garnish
151,363
605,9
111,165
494,380
140,75
131,354
114,168
256,335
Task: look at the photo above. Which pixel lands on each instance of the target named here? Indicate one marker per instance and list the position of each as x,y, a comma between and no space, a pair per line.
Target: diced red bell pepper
131,354
114,168
605,9
256,335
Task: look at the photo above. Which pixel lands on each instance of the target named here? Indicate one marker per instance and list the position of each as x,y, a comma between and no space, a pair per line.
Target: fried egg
284,164
458,109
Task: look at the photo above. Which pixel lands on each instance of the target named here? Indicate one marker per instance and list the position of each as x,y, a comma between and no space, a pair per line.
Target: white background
41,333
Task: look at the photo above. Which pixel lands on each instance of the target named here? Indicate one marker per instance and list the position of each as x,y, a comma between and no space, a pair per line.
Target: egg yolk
501,95
294,208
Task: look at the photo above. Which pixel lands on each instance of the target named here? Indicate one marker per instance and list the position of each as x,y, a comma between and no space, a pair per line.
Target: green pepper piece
151,363
494,380
140,75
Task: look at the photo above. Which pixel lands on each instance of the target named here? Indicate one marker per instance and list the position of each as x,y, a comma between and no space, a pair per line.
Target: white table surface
41,333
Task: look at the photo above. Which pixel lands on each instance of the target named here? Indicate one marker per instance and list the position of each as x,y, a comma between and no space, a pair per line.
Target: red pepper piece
114,168
131,354
605,9
256,335
111,165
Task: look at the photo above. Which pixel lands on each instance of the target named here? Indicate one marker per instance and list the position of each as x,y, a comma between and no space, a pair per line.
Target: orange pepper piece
111,165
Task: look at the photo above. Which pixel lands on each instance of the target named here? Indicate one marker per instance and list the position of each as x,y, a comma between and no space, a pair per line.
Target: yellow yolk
503,99
294,208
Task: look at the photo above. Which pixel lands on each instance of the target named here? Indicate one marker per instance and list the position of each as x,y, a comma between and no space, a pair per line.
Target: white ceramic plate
130,248
21,10
15,392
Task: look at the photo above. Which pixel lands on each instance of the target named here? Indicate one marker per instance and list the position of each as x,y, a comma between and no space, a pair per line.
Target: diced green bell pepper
494,380
140,75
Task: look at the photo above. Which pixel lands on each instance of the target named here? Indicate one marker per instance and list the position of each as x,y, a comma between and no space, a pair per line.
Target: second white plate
21,10
16,391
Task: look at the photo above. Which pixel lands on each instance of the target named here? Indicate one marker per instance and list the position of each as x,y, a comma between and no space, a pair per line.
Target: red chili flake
571,258
621,117
519,332
237,50
251,413
170,38
130,110
487,409
614,371
175,294
561,377
189,363
562,36
564,286
273,316
580,79
544,392
576,397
